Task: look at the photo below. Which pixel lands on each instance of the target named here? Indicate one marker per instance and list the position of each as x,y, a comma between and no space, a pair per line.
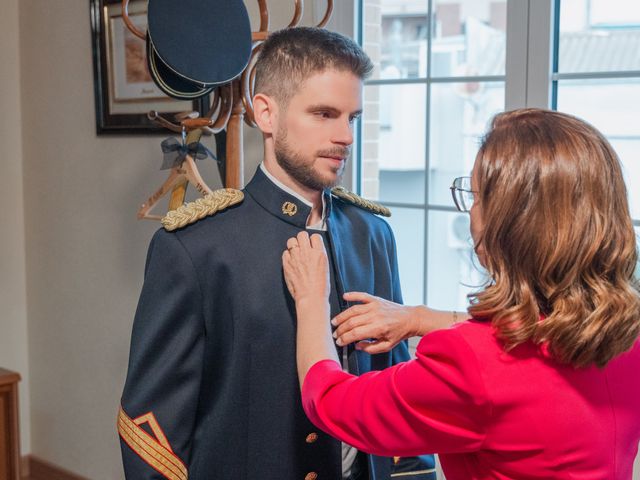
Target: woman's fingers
349,313
374,347
305,266
306,242
375,319
317,242
292,243
303,240
356,333
358,318
364,306
361,297
288,272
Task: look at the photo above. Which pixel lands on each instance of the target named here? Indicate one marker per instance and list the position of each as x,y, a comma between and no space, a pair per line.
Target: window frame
530,80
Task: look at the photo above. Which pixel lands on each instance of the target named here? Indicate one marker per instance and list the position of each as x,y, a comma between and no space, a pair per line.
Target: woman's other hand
306,273
306,270
377,325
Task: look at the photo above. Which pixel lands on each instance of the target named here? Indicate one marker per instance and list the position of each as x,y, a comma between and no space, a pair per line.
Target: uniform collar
281,201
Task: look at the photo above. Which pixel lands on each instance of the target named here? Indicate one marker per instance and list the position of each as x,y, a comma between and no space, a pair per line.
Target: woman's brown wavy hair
558,238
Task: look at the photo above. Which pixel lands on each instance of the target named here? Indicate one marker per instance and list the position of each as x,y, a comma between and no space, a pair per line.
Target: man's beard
301,169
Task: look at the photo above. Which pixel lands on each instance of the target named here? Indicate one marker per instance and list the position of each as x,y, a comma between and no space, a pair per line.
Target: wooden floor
36,469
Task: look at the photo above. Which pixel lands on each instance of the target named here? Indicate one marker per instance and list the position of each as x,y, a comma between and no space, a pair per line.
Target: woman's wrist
311,304
421,321
427,320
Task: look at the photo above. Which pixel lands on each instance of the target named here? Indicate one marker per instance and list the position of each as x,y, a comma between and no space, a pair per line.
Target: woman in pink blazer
542,381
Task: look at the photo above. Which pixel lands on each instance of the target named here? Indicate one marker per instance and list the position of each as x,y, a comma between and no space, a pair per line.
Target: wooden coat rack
231,103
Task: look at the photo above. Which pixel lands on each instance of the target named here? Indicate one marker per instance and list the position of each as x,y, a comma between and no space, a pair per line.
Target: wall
13,322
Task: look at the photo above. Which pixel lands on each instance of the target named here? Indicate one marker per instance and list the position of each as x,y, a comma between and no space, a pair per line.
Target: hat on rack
195,45
170,82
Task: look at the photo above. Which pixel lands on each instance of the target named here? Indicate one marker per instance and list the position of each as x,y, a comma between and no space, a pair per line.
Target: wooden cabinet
9,437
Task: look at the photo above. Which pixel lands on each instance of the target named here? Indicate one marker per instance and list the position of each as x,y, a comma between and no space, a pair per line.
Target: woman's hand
306,269
377,325
306,272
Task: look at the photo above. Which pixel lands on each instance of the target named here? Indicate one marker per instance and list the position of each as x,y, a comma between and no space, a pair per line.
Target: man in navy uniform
212,390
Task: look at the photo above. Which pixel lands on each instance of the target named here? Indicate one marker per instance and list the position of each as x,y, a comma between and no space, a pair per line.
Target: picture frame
124,90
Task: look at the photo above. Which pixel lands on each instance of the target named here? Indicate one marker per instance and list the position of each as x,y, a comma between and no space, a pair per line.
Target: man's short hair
292,55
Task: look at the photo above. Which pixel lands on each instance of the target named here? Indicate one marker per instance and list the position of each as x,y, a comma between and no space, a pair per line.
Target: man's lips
334,157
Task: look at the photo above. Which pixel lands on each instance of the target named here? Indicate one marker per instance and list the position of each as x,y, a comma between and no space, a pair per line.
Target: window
439,78
443,69
596,76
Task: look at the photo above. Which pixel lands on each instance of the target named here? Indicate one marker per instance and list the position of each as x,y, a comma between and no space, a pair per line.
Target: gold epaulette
206,206
358,201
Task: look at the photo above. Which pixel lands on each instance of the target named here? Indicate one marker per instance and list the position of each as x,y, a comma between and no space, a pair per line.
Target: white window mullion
516,54
529,53
540,53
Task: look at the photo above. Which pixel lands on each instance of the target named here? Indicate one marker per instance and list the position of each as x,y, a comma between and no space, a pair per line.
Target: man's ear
265,112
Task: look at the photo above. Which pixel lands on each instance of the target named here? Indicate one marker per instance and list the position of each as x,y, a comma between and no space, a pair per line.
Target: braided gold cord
208,205
358,201
158,456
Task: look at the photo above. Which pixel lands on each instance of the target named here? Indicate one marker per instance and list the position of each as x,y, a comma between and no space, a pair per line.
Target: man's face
315,134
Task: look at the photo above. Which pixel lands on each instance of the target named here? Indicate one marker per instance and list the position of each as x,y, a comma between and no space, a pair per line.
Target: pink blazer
488,413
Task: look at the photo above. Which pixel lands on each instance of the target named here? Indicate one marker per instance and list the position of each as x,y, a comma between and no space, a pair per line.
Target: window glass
468,38
453,269
599,35
395,34
393,143
408,227
460,114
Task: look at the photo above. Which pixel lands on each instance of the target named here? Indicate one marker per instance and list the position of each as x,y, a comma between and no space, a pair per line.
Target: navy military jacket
212,388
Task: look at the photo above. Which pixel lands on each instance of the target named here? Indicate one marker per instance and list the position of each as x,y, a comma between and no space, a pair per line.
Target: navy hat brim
206,42
168,81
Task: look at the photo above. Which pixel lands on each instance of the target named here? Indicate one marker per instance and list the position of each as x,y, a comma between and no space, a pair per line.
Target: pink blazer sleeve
436,403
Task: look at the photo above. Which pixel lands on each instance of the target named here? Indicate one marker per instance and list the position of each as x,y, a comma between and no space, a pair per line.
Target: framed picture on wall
124,90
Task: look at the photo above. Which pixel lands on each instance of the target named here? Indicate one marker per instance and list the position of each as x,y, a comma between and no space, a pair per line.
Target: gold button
311,476
312,437
289,208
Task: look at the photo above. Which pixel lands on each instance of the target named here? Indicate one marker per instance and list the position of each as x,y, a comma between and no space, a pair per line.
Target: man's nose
343,133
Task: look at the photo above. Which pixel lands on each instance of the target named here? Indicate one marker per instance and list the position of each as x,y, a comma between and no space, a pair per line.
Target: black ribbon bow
175,152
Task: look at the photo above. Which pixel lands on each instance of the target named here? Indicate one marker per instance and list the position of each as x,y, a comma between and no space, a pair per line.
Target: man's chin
332,172
332,179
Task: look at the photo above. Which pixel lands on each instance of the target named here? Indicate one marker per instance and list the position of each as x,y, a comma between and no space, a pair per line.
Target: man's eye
353,118
323,114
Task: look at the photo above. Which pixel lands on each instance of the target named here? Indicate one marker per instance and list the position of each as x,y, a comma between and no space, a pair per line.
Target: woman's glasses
462,194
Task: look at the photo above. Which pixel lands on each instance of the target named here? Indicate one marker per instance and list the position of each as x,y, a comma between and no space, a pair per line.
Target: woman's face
477,225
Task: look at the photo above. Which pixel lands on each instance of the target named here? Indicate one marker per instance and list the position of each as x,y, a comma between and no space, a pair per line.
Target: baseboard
24,466
39,469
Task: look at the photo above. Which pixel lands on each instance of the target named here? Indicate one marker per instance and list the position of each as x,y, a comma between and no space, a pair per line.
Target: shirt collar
301,201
